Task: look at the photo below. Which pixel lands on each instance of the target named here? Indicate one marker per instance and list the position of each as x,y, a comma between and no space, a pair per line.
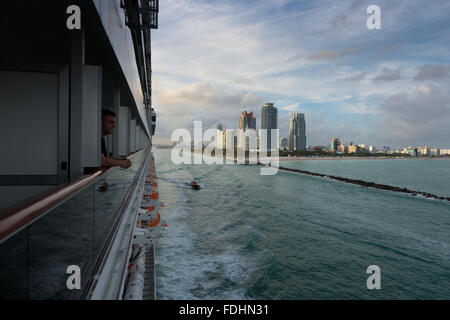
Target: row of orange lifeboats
149,227
151,199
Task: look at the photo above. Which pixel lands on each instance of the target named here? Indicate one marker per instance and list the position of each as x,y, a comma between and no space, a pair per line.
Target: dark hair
107,112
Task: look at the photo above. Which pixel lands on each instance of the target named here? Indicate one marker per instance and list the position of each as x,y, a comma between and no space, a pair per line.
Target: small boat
194,185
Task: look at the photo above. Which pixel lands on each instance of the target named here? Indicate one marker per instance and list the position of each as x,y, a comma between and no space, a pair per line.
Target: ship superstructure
70,229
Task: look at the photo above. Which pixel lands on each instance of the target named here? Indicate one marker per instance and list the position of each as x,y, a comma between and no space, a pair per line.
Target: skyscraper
247,121
297,132
269,120
221,138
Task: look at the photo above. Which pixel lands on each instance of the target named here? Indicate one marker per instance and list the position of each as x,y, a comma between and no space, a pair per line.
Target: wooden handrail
18,216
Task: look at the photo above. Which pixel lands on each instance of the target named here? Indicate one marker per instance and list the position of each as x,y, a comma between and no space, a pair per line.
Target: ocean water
293,236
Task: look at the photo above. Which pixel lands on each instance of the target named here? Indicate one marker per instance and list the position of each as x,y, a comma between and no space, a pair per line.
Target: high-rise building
423,151
247,121
221,142
269,121
436,152
335,142
297,132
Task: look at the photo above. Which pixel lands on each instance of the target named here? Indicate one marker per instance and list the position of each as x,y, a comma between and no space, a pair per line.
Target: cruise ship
70,228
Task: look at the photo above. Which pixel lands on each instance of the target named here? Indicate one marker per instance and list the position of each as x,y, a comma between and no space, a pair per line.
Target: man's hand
110,162
125,163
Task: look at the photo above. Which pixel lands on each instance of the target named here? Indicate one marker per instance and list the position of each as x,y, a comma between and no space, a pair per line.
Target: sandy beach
284,158
359,158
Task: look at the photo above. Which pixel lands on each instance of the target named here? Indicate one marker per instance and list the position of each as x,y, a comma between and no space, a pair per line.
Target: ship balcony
58,206
83,224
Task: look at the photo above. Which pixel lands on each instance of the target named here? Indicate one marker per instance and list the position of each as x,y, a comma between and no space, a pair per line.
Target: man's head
108,121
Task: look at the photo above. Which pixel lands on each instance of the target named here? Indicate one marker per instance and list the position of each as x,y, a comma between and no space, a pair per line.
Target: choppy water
292,236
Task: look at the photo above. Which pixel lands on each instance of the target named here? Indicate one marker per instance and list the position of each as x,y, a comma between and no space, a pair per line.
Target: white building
221,139
436,152
386,149
423,151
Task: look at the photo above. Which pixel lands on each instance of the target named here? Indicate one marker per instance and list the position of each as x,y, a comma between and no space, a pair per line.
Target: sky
212,60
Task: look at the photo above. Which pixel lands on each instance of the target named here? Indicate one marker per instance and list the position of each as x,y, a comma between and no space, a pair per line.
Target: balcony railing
72,226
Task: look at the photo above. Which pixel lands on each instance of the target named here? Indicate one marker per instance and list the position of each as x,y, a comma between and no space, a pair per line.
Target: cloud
293,107
323,55
203,102
241,79
417,118
340,21
388,75
424,89
318,131
295,58
329,54
432,71
359,108
357,77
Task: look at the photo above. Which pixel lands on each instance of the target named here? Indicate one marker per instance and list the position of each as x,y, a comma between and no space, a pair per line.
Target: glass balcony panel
13,268
63,237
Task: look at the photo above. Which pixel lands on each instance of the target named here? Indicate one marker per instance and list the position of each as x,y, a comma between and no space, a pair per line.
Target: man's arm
110,162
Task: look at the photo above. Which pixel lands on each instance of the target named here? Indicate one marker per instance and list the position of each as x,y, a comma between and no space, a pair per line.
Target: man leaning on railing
108,125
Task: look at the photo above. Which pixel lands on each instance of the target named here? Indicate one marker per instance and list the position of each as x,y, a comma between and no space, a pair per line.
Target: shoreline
303,158
284,158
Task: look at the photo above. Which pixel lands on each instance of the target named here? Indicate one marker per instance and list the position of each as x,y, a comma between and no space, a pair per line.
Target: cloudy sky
214,59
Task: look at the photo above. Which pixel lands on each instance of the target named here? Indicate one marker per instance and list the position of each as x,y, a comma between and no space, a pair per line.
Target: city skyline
247,121
385,87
